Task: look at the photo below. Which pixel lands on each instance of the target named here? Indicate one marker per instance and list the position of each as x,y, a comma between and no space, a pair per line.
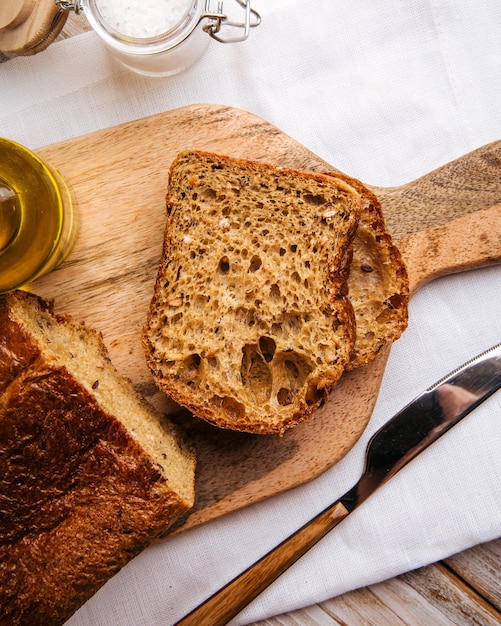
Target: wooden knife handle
237,594
465,243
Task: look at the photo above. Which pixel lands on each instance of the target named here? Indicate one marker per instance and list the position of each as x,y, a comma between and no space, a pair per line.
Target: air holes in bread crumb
313,394
267,346
314,199
213,362
275,292
200,301
224,265
291,369
207,194
294,370
232,408
285,397
189,370
175,302
293,321
255,372
255,264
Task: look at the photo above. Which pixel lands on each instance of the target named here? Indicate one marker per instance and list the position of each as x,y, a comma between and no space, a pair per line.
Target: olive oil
10,217
37,217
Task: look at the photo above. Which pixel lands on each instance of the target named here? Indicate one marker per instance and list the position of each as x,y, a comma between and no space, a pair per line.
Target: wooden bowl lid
29,26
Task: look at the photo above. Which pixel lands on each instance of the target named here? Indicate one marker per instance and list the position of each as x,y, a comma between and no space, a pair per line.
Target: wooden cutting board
443,222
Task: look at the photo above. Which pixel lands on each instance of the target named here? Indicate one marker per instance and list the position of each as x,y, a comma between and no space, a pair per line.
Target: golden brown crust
79,497
246,370
378,285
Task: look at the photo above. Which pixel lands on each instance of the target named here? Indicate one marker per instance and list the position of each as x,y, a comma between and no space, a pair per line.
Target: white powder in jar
142,18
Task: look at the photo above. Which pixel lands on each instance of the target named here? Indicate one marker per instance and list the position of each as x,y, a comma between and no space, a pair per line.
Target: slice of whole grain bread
249,325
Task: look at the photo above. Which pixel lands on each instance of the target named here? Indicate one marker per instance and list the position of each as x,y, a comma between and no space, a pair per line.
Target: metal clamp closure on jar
252,19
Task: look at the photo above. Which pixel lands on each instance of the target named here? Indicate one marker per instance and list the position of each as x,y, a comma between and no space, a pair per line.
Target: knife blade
392,447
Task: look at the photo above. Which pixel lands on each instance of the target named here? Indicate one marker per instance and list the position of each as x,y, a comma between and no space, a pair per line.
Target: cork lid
29,26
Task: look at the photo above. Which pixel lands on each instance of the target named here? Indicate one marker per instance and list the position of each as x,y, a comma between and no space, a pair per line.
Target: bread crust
79,497
229,406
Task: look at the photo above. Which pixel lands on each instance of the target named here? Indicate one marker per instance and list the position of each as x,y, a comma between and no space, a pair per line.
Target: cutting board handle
463,186
468,242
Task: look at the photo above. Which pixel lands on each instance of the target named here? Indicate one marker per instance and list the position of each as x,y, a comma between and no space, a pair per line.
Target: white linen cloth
386,92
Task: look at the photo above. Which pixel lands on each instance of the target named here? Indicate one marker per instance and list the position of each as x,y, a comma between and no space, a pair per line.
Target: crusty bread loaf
90,474
249,326
378,286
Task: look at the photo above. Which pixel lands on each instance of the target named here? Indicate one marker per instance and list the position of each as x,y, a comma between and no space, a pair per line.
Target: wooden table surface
464,589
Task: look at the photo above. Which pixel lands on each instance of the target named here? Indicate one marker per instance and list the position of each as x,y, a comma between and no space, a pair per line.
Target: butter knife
395,444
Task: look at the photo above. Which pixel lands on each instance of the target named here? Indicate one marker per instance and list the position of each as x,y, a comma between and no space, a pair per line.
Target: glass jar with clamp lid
163,37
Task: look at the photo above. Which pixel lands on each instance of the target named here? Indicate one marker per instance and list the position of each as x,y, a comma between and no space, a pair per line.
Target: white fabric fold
386,92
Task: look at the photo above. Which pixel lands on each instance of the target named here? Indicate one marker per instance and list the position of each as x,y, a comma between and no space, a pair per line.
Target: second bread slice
249,325
378,285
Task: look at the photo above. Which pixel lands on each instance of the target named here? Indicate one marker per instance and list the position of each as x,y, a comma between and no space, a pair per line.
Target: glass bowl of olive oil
38,223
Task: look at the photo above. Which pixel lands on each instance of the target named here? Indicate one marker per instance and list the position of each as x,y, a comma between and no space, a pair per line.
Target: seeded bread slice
249,325
378,286
90,474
